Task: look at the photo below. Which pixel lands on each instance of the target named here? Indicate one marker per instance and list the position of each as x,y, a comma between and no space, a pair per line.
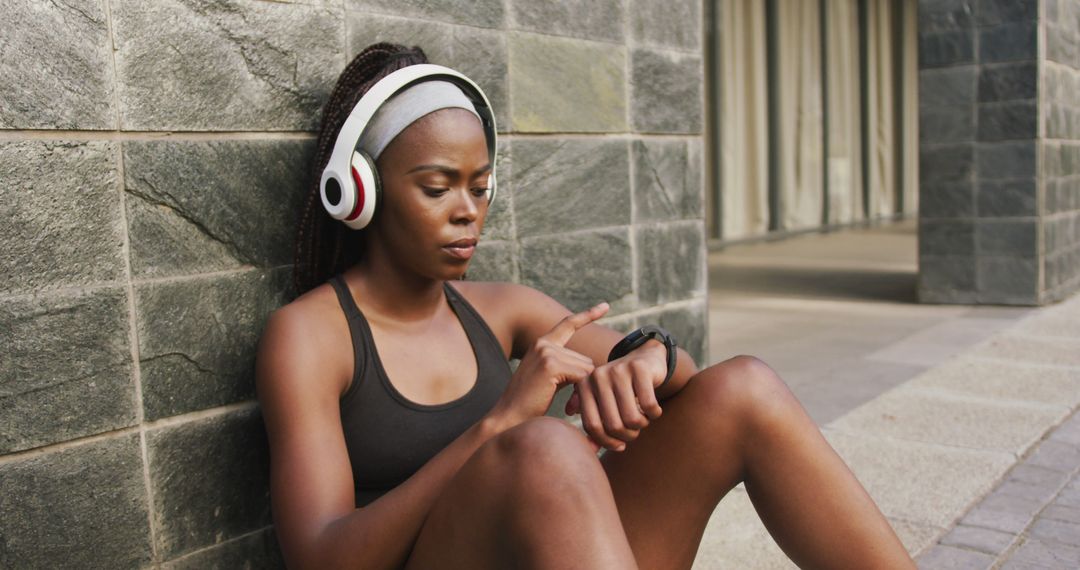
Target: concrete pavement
931,406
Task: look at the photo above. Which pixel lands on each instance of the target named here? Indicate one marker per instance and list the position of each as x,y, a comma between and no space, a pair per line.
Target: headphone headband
346,174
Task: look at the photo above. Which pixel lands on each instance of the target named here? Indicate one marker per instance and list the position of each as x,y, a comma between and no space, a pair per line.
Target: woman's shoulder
518,309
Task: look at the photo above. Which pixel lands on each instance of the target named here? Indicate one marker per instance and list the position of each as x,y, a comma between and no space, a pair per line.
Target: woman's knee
743,389
545,452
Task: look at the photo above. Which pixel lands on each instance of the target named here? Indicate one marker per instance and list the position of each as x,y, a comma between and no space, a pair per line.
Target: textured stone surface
212,205
689,326
237,65
209,479
665,92
1004,381
1014,120
947,87
479,54
65,368
1034,350
56,80
984,540
567,85
494,261
667,181
197,338
1007,280
586,19
83,506
1008,81
1006,160
499,222
671,262
564,185
995,198
951,47
256,550
483,13
1008,42
946,278
1007,237
950,557
941,163
582,268
946,238
947,200
61,211
674,24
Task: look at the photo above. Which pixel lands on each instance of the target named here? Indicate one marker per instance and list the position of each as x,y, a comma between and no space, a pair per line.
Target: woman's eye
479,191
435,191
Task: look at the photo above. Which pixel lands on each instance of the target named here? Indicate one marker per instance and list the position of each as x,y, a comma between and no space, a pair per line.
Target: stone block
667,182
256,550
1007,237
945,163
946,14
1008,81
1008,280
666,92
941,237
56,80
494,261
689,325
499,222
84,506
990,12
947,200
670,262
241,65
197,338
946,278
1008,42
565,185
1005,159
947,87
998,380
1031,350
1009,198
480,54
209,480
581,269
939,556
1003,513
62,223
566,85
1057,456
66,368
585,19
1037,553
212,205
1007,121
946,124
979,539
482,13
674,24
941,49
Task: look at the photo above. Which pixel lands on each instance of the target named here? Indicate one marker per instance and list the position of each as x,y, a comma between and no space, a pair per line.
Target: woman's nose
466,208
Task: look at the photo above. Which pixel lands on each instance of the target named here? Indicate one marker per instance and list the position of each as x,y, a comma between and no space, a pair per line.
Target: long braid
324,246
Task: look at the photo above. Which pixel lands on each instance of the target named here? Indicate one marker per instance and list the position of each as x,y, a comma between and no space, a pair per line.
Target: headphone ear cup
491,188
368,193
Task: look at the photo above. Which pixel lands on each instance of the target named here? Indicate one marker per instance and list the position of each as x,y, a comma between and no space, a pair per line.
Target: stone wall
999,160
152,159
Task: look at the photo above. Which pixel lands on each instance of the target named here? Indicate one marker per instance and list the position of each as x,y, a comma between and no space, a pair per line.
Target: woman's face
434,180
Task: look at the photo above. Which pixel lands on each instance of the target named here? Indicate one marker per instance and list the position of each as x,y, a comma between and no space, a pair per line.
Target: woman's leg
534,496
737,421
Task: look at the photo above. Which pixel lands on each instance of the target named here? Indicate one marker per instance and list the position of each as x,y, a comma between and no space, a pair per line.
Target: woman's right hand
547,366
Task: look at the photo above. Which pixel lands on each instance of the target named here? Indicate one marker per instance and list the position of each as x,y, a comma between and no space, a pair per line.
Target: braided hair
325,247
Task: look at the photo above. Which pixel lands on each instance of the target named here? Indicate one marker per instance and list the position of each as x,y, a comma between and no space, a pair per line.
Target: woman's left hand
618,399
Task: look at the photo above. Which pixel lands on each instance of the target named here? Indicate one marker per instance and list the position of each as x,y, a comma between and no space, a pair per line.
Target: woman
425,452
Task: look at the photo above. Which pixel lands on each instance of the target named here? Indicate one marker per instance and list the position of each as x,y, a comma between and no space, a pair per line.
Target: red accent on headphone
359,195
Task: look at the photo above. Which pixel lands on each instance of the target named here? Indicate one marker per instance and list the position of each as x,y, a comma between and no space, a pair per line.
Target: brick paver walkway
1032,518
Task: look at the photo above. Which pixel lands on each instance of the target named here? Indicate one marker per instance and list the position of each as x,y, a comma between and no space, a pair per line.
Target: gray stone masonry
999,155
154,157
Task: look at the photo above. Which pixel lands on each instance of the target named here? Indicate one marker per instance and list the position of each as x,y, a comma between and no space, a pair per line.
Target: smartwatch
640,337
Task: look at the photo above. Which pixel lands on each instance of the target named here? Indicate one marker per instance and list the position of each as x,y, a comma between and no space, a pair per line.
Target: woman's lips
460,252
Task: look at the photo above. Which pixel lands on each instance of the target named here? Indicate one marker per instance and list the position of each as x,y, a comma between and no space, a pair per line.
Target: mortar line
165,135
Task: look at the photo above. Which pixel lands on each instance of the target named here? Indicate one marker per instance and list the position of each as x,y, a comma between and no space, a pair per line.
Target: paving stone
241,65
65,368
1056,456
1050,324
736,538
581,269
1004,381
1005,513
1050,530
958,558
480,54
938,481
666,186
84,506
560,182
1038,554
494,261
674,24
56,80
197,338
209,479
566,85
665,92
61,215
670,262
914,536
1038,475
980,539
213,205
1068,432
947,419
483,13
1021,349
1061,513
1028,490
585,19
256,550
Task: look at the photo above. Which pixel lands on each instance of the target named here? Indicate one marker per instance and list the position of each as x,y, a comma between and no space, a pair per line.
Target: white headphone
350,186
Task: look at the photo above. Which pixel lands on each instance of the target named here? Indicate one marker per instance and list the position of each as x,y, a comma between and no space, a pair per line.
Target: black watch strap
641,336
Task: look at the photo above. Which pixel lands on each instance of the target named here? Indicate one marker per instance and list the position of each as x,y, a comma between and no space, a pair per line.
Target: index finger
560,334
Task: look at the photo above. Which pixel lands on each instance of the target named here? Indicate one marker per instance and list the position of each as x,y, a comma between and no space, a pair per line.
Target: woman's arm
311,481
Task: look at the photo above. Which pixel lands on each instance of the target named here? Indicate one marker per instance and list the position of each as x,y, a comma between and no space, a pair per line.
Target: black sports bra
390,437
